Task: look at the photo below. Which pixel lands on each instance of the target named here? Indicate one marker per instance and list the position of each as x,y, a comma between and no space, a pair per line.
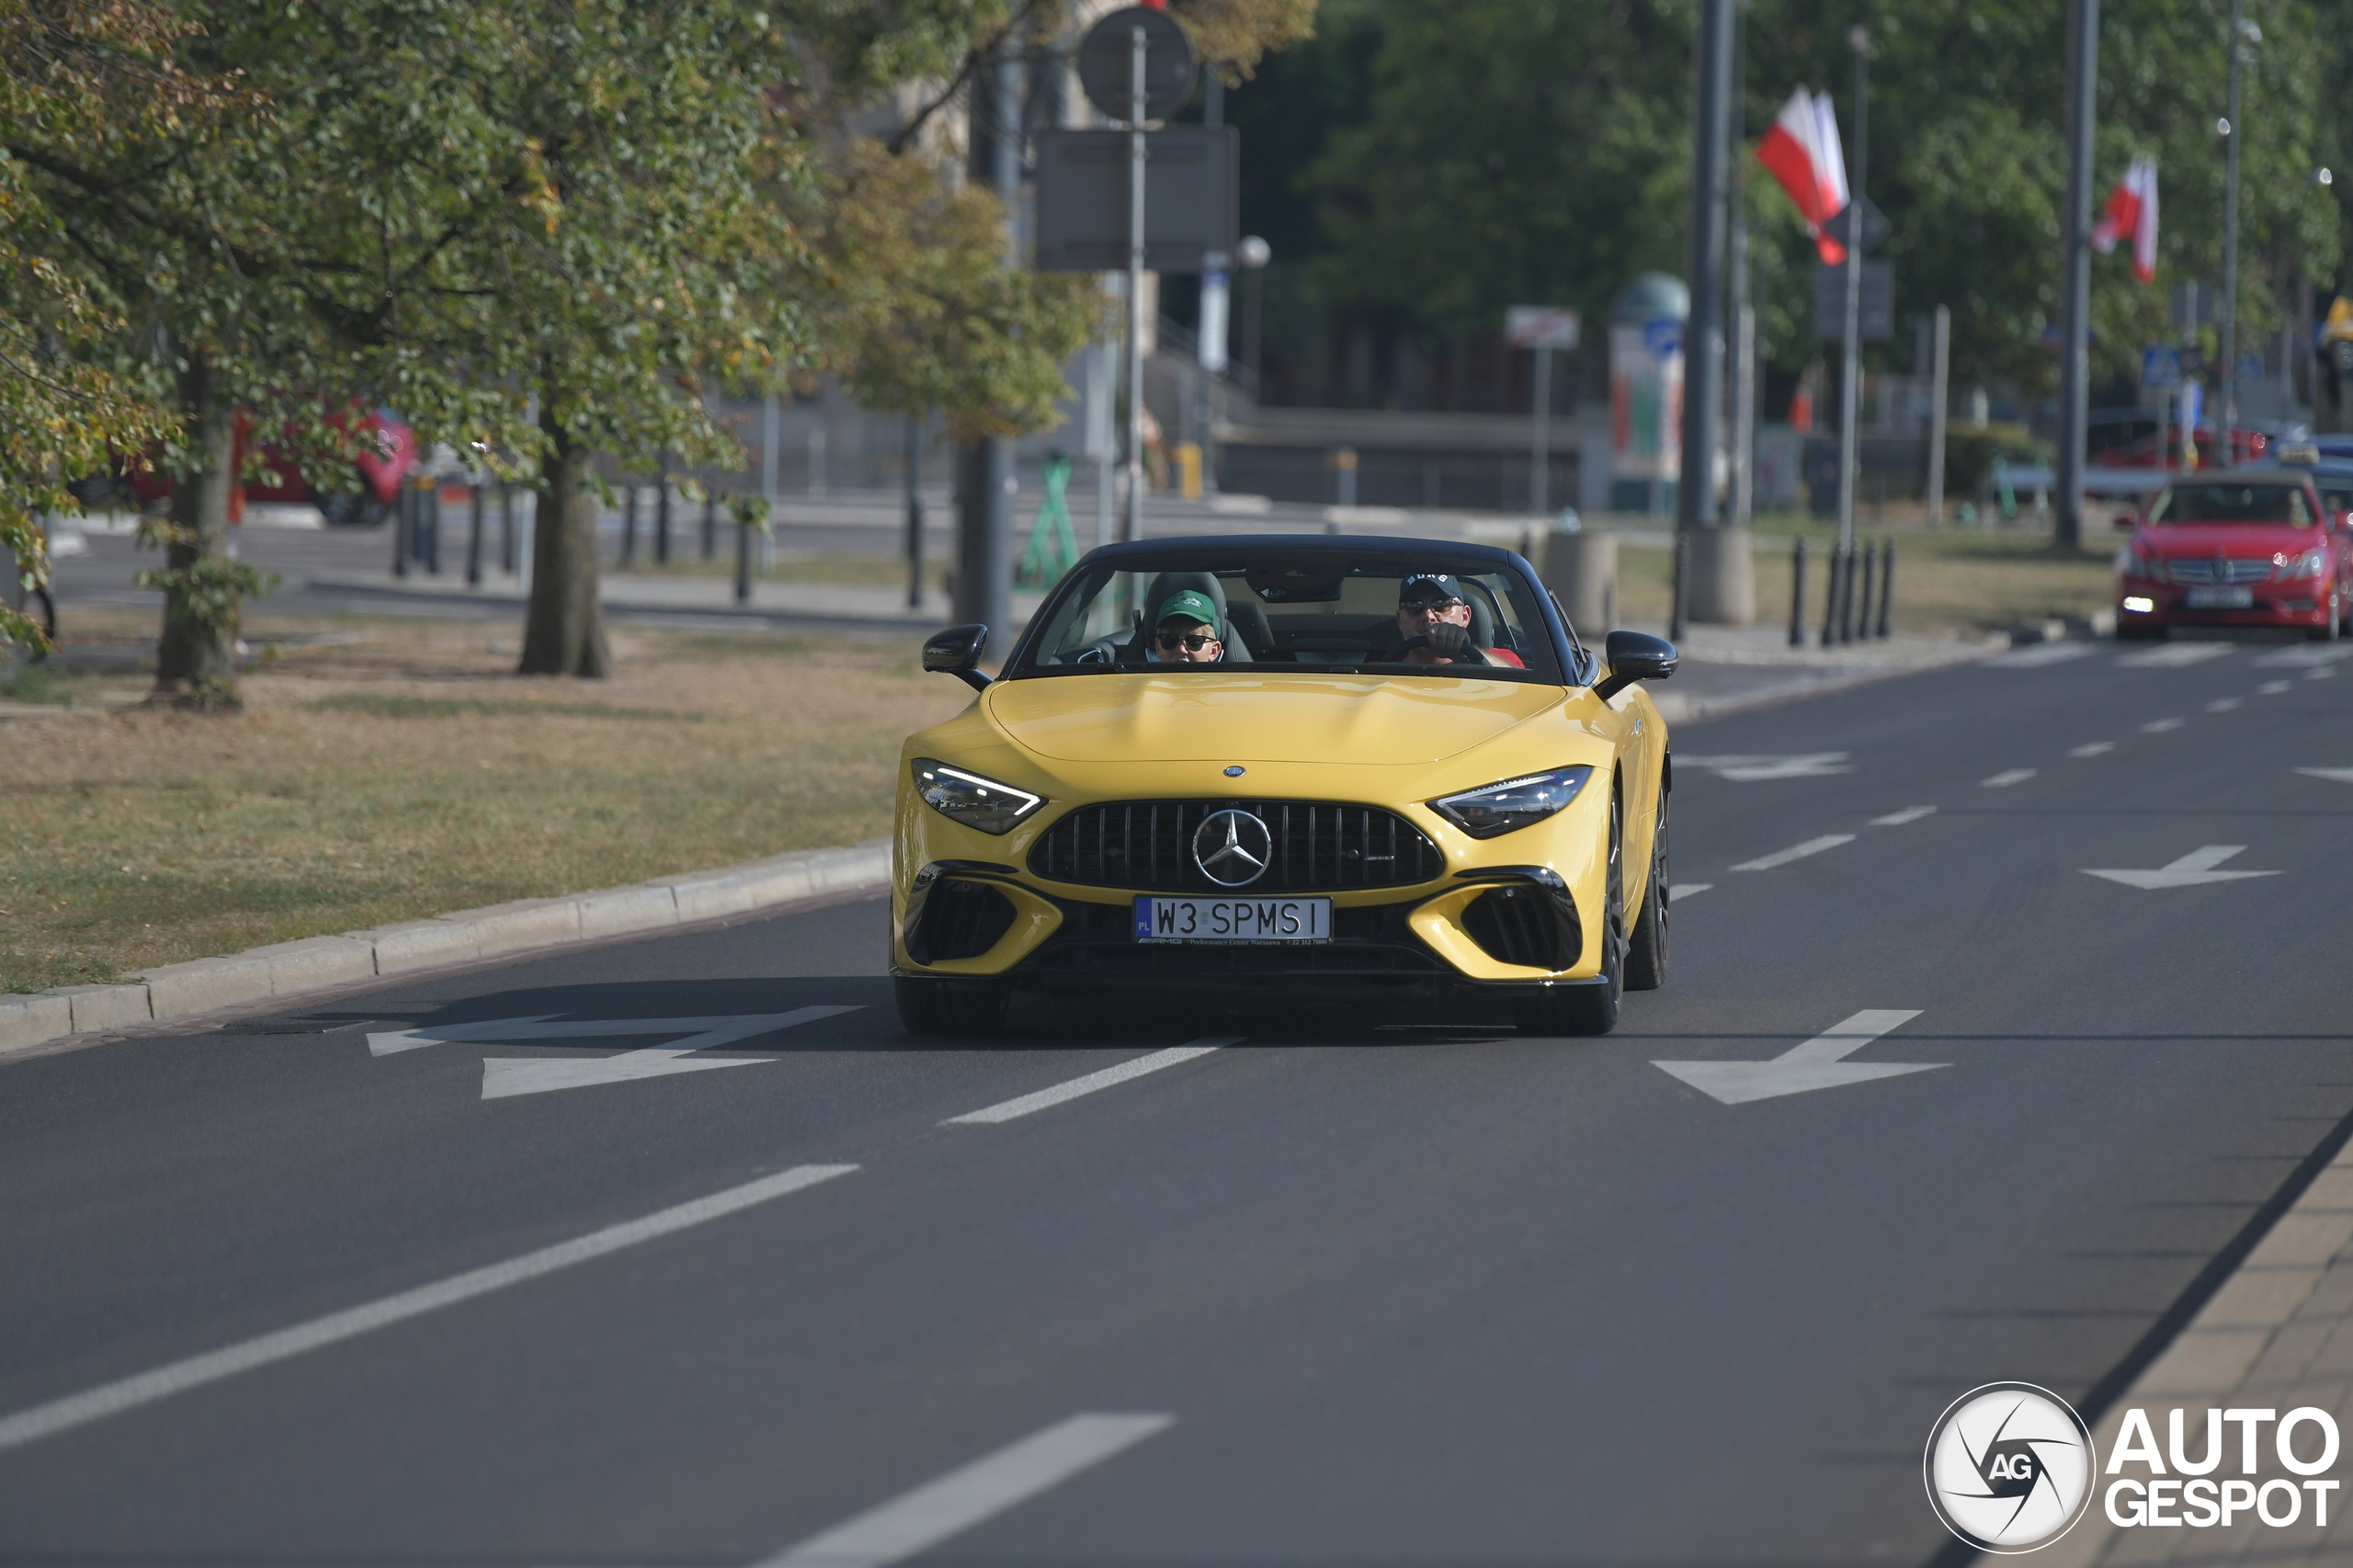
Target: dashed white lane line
1027,1105
2007,777
1685,890
1796,852
2323,673
2305,656
916,1521
2225,704
2341,774
2159,726
1909,813
179,1376
2274,688
2174,655
2092,748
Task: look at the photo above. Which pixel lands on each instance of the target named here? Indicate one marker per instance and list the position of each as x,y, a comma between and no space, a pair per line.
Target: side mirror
1635,655
2127,521
956,652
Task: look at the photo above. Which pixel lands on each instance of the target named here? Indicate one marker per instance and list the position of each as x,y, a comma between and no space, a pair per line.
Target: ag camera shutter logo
2009,1467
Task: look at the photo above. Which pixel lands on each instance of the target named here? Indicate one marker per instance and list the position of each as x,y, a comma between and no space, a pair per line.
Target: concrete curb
316,963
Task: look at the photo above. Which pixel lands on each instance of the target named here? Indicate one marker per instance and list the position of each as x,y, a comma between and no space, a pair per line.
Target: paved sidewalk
2277,1336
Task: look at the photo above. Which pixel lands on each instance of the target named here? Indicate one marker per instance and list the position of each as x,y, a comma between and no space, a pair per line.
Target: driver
1185,630
1431,606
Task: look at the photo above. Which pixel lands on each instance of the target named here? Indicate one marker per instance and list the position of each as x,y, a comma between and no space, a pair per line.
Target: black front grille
1522,925
1318,847
960,920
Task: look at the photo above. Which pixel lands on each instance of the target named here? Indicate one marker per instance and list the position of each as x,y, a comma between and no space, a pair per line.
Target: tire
932,1008
1589,1009
2327,631
1646,949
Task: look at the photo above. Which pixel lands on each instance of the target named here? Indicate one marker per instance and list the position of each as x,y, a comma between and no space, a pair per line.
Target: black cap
1443,582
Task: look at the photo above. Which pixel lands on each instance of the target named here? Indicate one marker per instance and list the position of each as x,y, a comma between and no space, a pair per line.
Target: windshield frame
1578,667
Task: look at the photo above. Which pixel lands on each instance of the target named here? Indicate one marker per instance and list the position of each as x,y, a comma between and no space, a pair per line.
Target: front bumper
2300,604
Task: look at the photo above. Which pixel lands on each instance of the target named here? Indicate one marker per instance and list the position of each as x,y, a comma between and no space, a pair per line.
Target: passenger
1185,630
1431,605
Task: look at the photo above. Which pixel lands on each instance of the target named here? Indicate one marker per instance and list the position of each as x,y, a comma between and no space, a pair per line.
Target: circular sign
2009,1467
1107,62
1232,847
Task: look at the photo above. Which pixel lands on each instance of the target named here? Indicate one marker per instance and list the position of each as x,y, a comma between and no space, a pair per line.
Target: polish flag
2132,209
1801,151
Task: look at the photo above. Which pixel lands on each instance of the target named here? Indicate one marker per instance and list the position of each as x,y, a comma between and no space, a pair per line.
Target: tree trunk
196,658
564,634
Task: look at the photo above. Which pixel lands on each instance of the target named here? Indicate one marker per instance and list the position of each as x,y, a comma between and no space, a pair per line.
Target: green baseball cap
1191,605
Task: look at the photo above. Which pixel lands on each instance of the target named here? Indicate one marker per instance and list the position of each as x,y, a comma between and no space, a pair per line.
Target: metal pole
1678,621
1868,579
1941,373
984,561
1540,456
742,562
2223,455
2075,275
914,465
1743,315
1886,585
1832,570
662,514
1703,333
1849,365
1136,155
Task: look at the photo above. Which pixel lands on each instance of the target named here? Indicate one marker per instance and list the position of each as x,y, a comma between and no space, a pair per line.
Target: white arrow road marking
2174,655
2341,774
505,1077
2092,748
179,1376
1026,1105
2274,688
2007,777
1685,890
2159,726
1909,813
1820,1064
414,1040
1796,852
1753,769
2224,704
917,1520
2191,869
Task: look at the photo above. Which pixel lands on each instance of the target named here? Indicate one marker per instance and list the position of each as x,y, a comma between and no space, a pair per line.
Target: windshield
1325,610
2272,503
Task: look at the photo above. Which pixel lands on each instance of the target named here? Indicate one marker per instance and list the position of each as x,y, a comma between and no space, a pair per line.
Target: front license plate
2221,598
1234,920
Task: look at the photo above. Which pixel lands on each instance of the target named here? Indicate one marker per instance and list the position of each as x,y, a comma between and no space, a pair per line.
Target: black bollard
1678,622
1833,569
1796,592
473,540
629,526
1869,582
507,527
1886,586
432,501
742,562
662,518
402,506
710,525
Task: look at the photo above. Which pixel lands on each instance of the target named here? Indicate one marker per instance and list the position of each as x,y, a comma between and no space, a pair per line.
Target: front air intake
960,920
1525,924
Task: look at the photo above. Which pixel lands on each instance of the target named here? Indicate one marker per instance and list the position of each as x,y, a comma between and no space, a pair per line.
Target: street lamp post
2075,368
1850,367
2243,32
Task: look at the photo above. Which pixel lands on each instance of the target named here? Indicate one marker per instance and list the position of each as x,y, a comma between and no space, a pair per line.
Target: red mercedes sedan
2236,547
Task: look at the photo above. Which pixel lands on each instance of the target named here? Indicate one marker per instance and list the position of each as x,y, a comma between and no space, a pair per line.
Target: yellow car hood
1238,718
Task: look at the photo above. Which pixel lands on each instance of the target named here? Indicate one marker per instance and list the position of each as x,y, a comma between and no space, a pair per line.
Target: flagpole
1849,370
2075,331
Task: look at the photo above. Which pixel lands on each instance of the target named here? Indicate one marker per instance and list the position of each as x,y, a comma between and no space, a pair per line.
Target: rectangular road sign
1191,210
1877,317
1540,326
2161,366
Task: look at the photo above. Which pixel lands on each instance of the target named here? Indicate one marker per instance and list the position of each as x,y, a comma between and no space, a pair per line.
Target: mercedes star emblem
1232,847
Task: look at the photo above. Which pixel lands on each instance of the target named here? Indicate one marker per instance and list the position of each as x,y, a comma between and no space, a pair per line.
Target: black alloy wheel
1591,1007
1646,953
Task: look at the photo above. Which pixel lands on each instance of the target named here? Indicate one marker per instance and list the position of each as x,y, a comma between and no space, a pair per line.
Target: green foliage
1970,453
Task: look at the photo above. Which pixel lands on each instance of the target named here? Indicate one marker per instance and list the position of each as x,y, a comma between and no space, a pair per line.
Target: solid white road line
178,1377
1685,890
2007,777
2159,726
1796,852
1754,770
1025,1105
2274,688
917,1520
2095,748
2224,704
1910,813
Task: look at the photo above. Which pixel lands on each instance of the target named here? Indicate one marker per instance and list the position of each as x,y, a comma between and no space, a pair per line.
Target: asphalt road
1395,1288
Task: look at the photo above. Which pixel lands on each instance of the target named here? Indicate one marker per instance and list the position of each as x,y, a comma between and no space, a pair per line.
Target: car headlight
1515,803
971,798
2310,563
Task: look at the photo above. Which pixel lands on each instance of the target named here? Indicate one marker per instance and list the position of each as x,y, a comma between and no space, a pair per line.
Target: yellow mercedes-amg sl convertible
1275,762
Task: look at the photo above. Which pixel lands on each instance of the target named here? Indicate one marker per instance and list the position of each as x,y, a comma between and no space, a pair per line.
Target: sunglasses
1192,644
1430,606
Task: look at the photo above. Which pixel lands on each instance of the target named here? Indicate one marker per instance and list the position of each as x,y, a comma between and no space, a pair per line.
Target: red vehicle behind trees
386,453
